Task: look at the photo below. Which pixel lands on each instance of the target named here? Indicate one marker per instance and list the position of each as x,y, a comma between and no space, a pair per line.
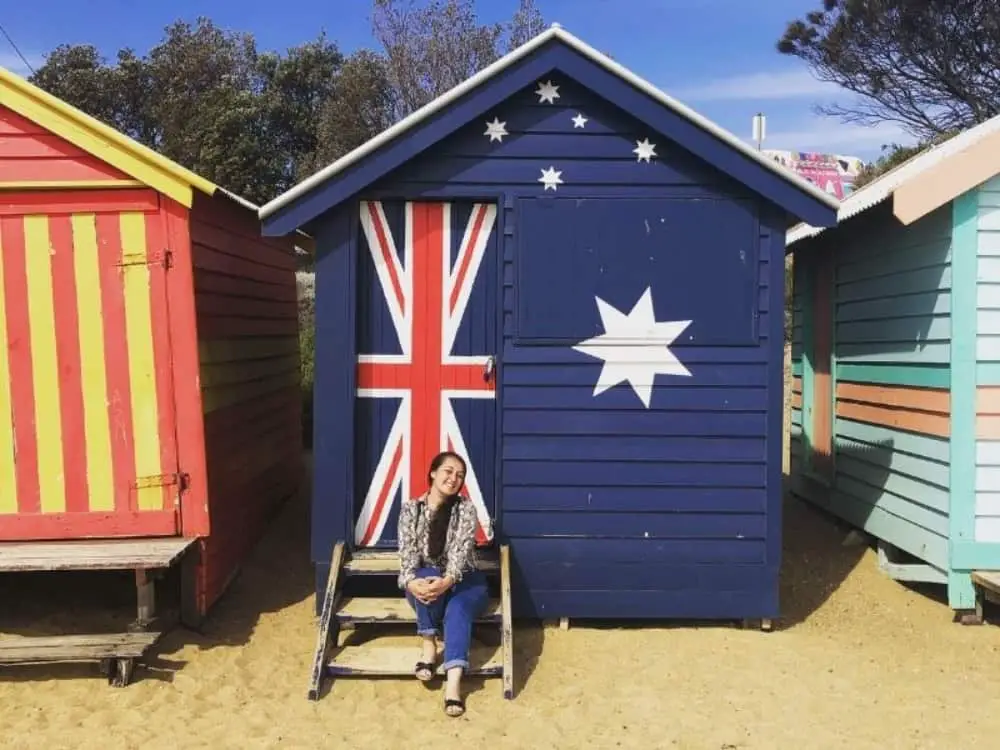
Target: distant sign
833,173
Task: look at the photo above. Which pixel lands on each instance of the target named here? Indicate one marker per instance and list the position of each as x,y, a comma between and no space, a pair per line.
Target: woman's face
449,477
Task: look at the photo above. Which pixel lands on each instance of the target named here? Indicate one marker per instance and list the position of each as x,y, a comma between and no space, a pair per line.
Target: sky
716,56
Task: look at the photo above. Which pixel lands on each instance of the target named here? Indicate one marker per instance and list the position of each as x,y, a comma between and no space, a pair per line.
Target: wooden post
327,623
506,625
145,591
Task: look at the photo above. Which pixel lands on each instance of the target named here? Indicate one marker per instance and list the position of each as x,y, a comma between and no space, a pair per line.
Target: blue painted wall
612,508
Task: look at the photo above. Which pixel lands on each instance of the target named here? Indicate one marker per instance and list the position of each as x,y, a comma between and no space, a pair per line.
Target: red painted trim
109,242
78,202
156,241
59,169
22,390
11,123
190,425
74,436
79,525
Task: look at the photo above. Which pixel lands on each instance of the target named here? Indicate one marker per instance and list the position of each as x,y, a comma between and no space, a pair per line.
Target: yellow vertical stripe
44,364
141,364
96,421
8,479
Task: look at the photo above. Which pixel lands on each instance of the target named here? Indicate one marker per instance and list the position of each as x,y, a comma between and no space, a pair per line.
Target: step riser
352,620
336,670
369,568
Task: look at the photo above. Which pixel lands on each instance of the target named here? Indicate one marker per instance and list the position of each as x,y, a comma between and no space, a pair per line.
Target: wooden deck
92,554
117,652
988,579
69,648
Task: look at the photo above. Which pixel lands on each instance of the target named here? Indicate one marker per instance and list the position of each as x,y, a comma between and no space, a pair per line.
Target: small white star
550,177
635,347
579,121
496,130
547,92
644,150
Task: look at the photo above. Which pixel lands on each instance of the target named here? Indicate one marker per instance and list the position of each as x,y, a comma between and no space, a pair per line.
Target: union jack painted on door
427,333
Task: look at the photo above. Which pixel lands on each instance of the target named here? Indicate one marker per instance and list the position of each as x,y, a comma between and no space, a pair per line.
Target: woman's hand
420,588
438,586
428,590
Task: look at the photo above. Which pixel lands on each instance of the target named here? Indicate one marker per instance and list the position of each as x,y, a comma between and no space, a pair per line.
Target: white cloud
13,62
764,86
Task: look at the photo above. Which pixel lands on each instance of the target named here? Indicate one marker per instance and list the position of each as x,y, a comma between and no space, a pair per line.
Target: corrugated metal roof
882,188
554,32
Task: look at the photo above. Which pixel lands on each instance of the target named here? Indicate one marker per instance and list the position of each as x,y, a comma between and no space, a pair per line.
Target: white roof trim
554,32
886,185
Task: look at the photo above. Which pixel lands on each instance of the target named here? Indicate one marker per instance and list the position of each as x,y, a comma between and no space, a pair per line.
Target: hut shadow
819,549
276,574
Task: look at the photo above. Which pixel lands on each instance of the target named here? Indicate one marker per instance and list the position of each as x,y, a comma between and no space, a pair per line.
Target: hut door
428,291
821,400
85,363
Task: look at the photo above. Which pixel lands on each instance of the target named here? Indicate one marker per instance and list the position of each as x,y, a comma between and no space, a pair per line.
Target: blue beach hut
576,282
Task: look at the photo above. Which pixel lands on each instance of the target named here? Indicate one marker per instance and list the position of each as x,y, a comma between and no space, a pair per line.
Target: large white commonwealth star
634,347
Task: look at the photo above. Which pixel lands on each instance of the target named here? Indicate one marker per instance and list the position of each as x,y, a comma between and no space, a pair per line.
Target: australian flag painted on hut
577,283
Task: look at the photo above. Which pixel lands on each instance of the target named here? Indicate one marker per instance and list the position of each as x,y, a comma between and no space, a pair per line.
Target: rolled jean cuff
428,631
452,663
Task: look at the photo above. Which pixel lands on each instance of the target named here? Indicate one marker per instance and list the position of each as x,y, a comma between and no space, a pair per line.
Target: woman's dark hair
437,533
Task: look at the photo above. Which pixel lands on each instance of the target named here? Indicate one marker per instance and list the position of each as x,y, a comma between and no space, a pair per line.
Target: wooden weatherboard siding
245,302
618,498
86,400
892,332
987,449
33,157
610,507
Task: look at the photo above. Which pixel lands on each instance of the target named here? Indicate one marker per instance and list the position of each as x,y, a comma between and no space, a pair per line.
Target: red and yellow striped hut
148,345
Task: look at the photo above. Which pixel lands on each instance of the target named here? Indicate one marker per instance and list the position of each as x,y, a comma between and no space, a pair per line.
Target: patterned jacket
459,555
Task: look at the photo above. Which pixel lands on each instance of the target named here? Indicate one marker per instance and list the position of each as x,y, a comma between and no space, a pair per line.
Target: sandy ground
860,661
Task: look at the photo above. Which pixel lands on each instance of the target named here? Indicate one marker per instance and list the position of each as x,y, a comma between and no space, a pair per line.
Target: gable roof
515,70
926,181
105,143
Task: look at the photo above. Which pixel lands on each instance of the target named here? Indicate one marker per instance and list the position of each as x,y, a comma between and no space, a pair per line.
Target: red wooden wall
247,320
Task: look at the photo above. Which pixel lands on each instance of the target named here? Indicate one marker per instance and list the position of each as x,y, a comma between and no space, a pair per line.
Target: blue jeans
455,611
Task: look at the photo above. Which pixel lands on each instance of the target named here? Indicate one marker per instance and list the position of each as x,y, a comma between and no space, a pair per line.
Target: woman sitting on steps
437,537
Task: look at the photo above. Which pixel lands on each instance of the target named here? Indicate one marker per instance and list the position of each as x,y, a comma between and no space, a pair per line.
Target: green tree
207,99
433,48
929,65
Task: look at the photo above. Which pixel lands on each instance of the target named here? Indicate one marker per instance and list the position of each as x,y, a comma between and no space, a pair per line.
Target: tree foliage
257,122
932,66
894,155
433,48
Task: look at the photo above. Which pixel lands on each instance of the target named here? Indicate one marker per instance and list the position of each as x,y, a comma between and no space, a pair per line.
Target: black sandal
422,668
453,703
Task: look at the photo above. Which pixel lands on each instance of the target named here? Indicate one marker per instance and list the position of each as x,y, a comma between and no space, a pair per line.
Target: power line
16,50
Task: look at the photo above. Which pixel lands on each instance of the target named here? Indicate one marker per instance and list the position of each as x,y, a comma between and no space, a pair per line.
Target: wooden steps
380,563
116,652
397,661
385,610
375,659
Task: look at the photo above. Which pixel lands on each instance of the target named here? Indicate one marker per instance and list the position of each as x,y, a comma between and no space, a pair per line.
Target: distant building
834,173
